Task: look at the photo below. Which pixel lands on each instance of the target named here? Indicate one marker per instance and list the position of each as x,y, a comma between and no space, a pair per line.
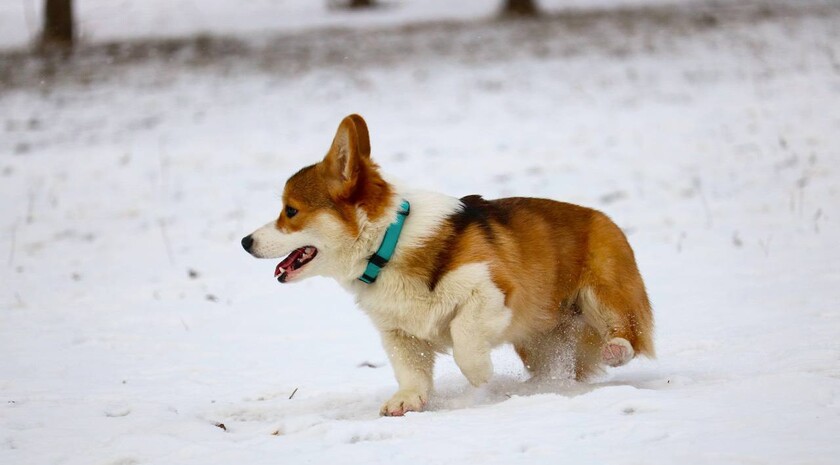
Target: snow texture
133,326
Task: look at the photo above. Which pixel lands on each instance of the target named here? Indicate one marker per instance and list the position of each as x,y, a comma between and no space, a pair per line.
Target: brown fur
567,273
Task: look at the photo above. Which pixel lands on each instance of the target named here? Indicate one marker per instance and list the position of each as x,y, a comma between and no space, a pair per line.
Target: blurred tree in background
351,4
58,24
520,8
361,3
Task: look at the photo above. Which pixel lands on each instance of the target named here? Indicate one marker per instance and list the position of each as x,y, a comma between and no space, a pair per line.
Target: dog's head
326,208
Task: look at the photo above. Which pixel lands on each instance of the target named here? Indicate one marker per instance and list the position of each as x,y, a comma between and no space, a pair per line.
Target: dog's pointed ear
348,153
363,138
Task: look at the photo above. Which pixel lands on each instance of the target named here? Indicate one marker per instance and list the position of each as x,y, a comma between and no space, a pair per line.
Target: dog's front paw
403,401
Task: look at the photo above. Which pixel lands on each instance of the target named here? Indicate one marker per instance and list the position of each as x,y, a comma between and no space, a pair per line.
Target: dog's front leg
413,361
472,330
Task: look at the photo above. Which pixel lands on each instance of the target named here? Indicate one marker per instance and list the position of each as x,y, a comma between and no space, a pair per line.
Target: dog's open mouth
294,262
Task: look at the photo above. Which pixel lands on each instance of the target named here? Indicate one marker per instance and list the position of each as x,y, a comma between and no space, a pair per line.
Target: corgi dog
437,273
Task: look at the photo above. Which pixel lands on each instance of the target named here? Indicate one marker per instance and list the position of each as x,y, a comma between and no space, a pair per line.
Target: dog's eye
291,211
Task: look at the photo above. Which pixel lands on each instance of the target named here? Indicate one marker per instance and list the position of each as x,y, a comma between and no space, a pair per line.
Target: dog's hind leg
588,353
549,355
571,350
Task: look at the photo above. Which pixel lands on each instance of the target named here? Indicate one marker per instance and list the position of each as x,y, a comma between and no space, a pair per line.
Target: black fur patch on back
481,213
476,211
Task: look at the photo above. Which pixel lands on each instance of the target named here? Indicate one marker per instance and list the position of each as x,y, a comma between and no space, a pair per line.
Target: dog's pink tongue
287,262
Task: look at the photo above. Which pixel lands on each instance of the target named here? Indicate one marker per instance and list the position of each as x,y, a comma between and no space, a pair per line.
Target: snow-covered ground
132,323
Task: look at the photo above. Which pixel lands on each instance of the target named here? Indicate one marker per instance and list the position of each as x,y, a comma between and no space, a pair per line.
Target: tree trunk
361,3
520,8
58,24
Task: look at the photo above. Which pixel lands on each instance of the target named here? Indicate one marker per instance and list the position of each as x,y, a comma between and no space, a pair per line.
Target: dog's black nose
247,242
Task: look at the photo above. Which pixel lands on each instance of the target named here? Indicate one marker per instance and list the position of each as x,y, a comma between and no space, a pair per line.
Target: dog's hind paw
617,352
403,401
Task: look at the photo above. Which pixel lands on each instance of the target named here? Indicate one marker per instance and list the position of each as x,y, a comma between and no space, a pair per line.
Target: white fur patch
405,303
428,211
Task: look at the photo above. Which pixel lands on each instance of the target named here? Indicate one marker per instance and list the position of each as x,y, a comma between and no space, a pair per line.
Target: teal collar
378,260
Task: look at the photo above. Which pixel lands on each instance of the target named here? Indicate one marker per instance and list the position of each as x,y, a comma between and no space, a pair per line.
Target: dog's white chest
403,303
409,307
